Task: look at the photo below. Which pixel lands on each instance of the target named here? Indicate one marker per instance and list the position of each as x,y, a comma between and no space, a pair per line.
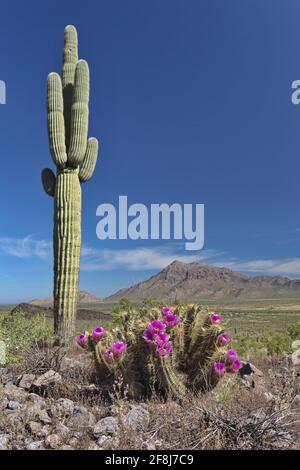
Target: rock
296,357
4,442
66,447
63,407
45,431
72,363
62,431
253,379
14,393
93,446
35,445
46,380
296,344
3,403
14,405
137,419
34,427
26,381
53,441
36,399
148,446
73,442
37,429
82,418
108,442
296,401
35,412
102,440
106,427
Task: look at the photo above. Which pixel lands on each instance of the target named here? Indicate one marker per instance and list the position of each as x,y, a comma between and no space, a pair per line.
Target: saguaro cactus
75,158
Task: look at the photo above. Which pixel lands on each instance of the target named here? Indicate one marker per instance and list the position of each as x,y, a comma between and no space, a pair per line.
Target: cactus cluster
74,155
188,353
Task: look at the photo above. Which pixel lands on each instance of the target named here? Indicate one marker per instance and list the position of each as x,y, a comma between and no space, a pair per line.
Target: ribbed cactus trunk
75,158
66,248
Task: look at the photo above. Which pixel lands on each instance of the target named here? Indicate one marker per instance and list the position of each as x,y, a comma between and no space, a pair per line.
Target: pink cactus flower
235,366
82,340
149,336
219,368
118,348
171,320
97,333
231,355
215,318
166,311
164,349
161,339
108,355
223,339
156,326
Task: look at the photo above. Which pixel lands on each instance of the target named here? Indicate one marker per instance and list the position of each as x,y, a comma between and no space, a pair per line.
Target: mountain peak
195,282
84,297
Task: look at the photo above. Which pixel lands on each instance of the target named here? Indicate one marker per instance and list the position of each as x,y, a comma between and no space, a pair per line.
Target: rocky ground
56,403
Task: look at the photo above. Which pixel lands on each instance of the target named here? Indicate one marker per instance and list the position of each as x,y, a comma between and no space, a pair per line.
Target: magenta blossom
166,311
97,333
161,338
231,355
171,320
235,366
219,368
82,340
223,339
215,318
108,355
119,348
149,336
164,349
156,326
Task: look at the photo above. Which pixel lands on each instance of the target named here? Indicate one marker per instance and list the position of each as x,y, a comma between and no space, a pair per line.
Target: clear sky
191,102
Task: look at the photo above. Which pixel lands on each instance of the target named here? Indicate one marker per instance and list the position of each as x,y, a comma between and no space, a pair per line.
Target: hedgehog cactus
195,361
75,158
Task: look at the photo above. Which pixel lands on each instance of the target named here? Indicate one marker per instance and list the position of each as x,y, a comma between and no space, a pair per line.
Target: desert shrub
19,332
262,345
294,330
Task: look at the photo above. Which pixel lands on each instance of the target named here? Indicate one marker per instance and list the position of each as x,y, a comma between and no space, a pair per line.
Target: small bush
19,332
294,330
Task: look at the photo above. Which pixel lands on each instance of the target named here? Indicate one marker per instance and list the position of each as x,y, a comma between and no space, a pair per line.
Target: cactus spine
75,158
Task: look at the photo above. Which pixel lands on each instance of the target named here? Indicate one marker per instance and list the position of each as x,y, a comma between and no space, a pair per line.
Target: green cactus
188,368
75,158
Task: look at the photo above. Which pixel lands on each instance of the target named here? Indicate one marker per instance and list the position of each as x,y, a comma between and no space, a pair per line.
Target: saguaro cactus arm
70,59
49,181
56,124
89,162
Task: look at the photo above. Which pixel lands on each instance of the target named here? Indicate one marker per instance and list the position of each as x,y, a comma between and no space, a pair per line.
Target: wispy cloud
138,259
26,247
152,258
285,266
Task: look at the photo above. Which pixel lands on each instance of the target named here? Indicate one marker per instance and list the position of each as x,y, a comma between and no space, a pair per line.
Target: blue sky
191,102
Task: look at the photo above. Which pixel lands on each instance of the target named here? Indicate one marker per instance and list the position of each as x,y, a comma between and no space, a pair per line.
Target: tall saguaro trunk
66,247
75,158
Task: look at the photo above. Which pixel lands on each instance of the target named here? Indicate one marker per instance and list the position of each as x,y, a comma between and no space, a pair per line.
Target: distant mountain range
198,282
83,298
